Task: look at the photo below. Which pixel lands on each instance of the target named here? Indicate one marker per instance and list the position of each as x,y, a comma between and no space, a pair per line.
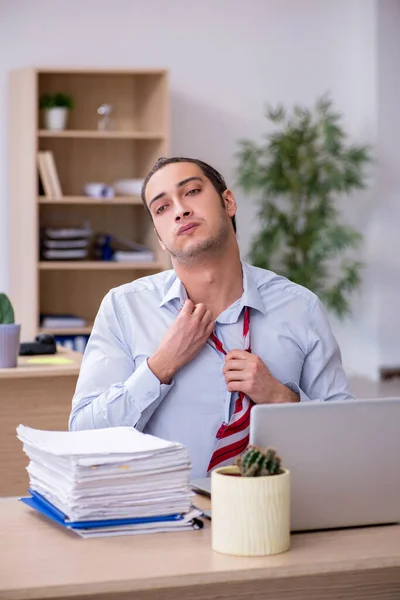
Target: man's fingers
207,318
234,365
199,311
187,308
241,354
238,386
236,376
210,327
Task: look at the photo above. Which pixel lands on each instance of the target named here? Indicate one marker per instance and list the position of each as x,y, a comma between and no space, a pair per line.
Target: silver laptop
344,459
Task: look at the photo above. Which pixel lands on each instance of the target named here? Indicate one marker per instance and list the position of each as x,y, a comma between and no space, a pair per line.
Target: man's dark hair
212,174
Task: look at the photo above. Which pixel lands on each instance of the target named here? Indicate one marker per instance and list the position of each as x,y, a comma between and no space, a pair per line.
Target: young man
185,354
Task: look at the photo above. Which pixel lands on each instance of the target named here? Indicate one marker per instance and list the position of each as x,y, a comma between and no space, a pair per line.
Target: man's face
187,211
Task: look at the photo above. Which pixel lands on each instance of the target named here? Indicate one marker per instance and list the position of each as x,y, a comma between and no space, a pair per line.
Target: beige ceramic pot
250,515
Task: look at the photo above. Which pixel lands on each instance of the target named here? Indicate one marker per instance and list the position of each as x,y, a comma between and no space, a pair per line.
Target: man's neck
216,282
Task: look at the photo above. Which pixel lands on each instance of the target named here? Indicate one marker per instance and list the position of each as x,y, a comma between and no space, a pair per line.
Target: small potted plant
9,334
251,505
55,110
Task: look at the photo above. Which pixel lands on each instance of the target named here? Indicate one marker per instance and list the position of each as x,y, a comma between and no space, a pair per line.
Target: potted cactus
9,334
251,505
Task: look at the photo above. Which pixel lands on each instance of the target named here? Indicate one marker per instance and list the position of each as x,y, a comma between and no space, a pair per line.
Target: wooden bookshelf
98,265
129,135
68,200
82,153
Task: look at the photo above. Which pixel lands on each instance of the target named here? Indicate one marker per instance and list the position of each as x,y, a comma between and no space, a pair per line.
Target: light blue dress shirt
289,332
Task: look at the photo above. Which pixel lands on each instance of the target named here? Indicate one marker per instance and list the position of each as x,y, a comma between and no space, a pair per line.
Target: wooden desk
38,396
40,560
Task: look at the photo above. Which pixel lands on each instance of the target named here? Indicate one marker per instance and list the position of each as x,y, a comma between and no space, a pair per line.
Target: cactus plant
257,462
6,311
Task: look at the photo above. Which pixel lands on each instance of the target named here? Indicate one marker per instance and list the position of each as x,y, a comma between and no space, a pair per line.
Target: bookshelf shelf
107,135
93,265
80,154
87,201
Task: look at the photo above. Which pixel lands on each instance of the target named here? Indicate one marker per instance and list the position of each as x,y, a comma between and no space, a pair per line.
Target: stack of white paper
97,477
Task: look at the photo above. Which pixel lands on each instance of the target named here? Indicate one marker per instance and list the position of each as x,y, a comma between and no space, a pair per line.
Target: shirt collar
177,291
250,297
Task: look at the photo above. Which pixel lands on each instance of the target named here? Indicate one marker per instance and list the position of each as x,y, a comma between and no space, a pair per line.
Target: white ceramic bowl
128,187
94,188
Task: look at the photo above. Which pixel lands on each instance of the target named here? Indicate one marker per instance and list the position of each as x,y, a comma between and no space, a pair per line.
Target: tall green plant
299,173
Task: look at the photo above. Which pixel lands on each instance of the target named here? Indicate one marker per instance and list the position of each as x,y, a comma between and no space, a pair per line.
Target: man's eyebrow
178,185
185,181
156,198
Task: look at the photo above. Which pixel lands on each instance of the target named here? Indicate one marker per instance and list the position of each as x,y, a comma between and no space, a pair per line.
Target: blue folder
46,508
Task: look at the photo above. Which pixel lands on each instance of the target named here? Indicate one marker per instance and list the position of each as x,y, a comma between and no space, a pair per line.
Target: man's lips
188,228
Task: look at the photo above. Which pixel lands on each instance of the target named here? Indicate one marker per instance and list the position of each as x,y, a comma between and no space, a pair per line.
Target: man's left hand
245,372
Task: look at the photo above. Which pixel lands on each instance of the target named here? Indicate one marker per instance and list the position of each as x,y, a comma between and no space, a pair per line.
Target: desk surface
40,560
28,368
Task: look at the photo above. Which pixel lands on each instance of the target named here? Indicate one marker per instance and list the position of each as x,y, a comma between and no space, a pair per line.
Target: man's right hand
182,341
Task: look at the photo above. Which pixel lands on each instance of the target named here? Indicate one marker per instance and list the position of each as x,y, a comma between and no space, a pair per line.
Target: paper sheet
50,360
111,473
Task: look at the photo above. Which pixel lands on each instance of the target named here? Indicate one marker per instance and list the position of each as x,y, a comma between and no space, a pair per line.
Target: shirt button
150,395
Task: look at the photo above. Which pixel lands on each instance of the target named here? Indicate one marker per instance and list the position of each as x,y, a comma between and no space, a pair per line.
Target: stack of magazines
109,481
65,243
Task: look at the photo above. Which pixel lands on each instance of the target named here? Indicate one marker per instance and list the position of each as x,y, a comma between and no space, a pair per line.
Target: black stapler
44,344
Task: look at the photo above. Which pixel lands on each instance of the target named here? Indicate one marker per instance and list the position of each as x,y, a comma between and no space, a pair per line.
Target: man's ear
230,203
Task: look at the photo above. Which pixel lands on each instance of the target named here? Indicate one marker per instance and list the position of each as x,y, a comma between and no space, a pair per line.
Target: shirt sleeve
112,390
323,377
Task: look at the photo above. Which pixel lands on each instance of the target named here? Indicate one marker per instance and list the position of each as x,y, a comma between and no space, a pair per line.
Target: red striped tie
233,437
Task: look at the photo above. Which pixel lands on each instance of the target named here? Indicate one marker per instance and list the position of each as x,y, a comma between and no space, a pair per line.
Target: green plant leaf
6,310
276,115
60,100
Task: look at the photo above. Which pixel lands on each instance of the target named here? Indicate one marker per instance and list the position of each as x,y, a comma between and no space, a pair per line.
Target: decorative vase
9,345
56,118
250,515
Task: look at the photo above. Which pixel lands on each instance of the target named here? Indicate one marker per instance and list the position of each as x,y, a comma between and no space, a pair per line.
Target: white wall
227,58
389,180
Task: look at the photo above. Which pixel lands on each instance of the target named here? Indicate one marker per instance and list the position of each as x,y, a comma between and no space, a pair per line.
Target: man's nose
182,212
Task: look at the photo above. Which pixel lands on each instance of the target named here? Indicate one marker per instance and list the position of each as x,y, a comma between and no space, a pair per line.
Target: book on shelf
64,254
44,175
55,182
48,175
121,249
59,321
65,244
68,233
139,256
76,342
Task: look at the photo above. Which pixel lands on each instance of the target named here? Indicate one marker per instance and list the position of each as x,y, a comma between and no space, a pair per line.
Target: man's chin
191,251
